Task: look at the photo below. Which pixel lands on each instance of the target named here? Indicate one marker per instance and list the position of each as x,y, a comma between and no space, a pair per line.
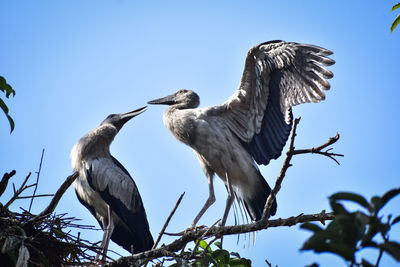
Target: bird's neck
181,123
95,144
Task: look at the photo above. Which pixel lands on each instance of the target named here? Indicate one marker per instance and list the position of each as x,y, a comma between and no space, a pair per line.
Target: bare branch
42,195
319,149
168,220
286,165
18,192
53,204
4,181
195,234
37,180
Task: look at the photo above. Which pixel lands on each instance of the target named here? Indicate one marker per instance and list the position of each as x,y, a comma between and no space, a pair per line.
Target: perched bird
253,125
107,190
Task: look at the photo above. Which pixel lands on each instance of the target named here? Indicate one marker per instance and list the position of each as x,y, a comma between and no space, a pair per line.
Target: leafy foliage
7,89
397,19
203,255
351,232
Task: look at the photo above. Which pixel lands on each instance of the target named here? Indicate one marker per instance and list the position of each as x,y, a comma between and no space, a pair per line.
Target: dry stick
37,180
318,150
286,165
4,181
19,191
42,195
53,204
195,234
167,222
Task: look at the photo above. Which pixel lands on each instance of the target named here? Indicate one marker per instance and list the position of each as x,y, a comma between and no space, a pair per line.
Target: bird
107,189
252,126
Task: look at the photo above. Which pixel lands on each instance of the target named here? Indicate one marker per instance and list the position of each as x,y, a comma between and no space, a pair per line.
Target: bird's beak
168,100
129,115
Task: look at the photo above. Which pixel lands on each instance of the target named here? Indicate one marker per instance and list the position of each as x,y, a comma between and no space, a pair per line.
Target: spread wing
116,187
277,75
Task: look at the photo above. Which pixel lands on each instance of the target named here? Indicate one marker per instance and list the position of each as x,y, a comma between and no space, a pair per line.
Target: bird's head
118,120
184,98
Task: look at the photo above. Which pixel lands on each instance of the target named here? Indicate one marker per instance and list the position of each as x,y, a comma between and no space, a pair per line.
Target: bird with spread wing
253,125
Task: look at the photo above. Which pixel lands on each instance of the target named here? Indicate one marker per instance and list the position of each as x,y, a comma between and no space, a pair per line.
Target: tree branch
286,165
37,180
195,234
318,150
168,220
53,204
19,191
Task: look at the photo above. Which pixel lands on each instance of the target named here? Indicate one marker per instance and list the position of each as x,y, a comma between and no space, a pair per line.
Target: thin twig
18,192
168,220
318,150
286,165
53,204
42,195
4,181
37,180
202,238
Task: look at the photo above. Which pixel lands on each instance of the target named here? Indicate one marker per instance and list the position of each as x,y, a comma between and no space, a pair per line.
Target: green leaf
351,197
395,23
365,263
311,227
338,208
389,195
239,262
376,203
5,87
4,107
392,248
218,244
203,244
396,220
396,6
235,254
221,255
372,230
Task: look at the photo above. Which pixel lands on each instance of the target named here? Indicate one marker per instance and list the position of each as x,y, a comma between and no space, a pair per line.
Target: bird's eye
111,116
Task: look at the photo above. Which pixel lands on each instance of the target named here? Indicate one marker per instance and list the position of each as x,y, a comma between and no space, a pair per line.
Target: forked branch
286,164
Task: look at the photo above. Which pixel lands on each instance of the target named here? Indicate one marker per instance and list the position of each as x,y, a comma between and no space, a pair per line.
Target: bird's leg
229,200
108,227
109,230
104,222
209,202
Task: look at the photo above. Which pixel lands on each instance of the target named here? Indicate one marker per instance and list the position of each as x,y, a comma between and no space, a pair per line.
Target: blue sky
74,62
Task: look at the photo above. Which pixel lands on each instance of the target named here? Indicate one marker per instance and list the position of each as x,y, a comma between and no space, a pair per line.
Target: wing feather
116,187
277,76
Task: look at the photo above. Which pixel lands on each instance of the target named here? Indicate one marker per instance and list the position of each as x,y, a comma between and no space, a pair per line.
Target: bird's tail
254,200
137,237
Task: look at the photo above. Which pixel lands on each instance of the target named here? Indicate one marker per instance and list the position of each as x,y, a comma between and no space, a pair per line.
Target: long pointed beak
129,115
167,100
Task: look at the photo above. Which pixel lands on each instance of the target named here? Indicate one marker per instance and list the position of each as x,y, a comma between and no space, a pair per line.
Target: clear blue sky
74,62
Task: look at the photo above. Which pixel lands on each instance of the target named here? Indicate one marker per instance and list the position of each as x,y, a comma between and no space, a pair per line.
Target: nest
45,243
40,240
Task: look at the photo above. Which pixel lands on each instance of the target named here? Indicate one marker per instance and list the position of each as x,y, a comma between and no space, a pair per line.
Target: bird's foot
98,262
189,229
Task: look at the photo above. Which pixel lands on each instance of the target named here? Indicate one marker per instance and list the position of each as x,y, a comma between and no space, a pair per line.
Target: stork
107,190
253,125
